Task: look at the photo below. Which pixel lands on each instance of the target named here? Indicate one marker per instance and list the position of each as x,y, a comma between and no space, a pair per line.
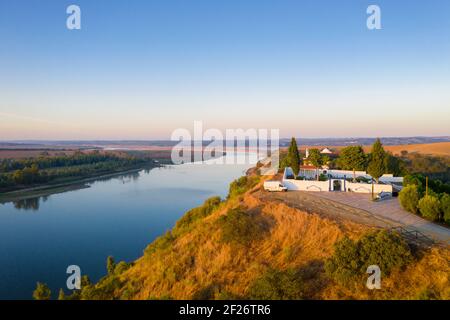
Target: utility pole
372,189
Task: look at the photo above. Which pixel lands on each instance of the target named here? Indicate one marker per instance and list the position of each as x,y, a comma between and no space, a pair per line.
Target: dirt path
359,208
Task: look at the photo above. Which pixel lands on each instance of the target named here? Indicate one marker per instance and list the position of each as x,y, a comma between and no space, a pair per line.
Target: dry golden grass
198,260
436,149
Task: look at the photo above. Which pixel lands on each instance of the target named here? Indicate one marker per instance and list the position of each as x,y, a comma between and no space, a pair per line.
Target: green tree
409,198
293,157
445,206
415,179
394,165
352,158
18,177
326,159
430,207
377,164
315,158
42,292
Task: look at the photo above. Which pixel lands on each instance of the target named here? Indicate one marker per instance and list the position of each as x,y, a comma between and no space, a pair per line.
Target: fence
413,236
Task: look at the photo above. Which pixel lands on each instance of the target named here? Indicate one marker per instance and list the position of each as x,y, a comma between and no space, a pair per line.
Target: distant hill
387,141
164,144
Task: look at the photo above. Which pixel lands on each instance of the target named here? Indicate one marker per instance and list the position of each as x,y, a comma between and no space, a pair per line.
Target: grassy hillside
244,248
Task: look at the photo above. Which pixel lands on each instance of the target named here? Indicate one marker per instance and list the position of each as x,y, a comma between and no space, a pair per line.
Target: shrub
385,249
205,293
239,226
121,267
86,289
226,295
160,243
278,285
61,295
198,213
445,206
106,289
351,258
409,198
42,292
110,264
242,185
430,207
428,294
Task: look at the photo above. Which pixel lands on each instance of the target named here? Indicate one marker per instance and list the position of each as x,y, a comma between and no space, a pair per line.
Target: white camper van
274,186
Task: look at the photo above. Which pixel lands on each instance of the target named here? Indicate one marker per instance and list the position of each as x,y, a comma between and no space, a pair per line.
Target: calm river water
119,216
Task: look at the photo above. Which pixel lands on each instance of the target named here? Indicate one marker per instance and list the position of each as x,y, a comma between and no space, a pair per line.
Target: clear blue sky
140,69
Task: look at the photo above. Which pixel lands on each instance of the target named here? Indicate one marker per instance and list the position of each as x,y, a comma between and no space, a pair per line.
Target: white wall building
337,181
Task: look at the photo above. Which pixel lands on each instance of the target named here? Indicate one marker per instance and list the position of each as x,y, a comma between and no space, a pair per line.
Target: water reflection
33,204
30,203
124,177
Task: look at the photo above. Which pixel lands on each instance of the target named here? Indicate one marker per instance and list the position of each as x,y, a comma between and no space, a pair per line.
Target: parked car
274,186
383,195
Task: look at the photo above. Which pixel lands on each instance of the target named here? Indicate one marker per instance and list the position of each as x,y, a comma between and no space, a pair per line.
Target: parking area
359,208
389,209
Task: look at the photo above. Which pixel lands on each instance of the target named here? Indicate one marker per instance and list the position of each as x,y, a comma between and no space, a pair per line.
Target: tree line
16,174
376,163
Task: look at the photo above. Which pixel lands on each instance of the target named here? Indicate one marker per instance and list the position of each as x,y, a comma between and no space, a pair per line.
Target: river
119,216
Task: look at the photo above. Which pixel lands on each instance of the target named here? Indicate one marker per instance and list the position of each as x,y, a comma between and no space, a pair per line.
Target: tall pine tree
294,156
377,163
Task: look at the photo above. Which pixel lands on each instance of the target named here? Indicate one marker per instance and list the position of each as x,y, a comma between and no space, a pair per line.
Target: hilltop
246,247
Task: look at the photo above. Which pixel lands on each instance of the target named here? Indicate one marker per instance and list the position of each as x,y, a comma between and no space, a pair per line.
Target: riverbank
68,185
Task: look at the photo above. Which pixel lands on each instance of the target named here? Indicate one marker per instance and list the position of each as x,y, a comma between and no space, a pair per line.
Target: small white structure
326,151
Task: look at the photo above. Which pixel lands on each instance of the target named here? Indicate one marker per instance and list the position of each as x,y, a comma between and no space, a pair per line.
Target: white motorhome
274,186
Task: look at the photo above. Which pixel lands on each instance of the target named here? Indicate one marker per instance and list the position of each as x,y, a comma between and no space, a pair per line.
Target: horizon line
169,140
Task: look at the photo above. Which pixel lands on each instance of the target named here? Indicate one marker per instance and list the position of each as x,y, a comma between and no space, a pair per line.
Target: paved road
390,209
359,208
